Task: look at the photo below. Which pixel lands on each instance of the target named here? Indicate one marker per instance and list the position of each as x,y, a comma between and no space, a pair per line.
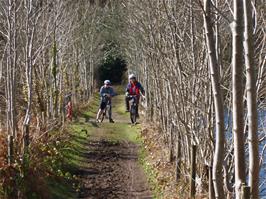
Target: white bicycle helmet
131,76
106,82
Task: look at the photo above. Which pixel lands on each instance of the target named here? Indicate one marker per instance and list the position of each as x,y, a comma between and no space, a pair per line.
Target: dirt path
112,169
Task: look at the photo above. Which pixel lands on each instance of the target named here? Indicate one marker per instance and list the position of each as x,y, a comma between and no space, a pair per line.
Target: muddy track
113,171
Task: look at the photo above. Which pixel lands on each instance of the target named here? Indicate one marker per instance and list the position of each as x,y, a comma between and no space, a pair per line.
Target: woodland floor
118,160
106,156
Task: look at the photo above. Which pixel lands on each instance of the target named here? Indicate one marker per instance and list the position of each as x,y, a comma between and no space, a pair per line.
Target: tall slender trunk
61,93
54,67
193,53
55,74
9,68
251,102
86,81
28,63
218,39
13,110
11,78
237,82
218,104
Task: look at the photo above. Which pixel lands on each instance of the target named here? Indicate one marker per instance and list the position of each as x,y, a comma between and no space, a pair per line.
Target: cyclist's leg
99,114
110,111
103,105
127,103
110,114
101,109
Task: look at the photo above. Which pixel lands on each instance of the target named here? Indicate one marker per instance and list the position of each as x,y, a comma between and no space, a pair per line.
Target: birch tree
218,104
187,79
237,88
32,15
11,65
251,101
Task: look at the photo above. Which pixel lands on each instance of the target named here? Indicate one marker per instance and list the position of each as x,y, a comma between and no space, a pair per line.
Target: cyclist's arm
102,92
112,92
128,87
141,89
127,90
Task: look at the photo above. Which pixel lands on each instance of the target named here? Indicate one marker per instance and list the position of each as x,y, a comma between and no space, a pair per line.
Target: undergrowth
33,175
150,172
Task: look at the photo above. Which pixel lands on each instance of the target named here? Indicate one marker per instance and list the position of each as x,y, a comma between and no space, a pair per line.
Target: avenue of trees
49,51
202,64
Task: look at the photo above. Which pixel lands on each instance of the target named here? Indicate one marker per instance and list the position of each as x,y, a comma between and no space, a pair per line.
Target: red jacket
135,88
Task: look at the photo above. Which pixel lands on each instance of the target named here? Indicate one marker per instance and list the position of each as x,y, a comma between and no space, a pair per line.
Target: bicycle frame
133,108
106,109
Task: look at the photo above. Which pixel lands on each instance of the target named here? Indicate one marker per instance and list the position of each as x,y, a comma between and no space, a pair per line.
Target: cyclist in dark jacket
106,93
133,88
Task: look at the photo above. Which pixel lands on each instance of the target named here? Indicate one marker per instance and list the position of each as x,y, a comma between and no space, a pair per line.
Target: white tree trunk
251,102
218,104
11,76
237,86
30,24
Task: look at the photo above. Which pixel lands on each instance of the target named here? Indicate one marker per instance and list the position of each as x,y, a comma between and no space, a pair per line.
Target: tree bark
30,31
237,82
251,102
218,104
11,76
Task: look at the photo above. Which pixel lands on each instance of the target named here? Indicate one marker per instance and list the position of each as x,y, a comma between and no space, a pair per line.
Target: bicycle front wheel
133,115
102,116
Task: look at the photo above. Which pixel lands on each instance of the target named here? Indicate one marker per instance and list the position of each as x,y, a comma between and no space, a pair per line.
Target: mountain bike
106,109
133,108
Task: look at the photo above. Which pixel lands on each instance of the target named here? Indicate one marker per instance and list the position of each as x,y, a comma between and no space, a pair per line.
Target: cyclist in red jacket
133,88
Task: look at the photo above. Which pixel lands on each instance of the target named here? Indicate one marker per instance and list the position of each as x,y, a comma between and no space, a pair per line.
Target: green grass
76,147
150,173
119,132
61,189
120,107
72,150
91,111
